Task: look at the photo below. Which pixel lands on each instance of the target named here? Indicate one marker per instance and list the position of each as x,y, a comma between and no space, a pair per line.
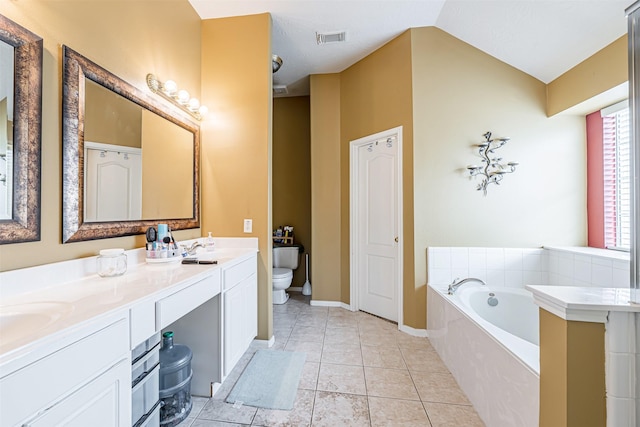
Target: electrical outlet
248,225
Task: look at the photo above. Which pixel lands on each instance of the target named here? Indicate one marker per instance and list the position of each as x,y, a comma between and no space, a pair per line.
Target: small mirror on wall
20,132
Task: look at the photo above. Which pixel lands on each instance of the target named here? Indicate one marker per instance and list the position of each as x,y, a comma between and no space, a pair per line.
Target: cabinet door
233,328
36,387
250,308
102,402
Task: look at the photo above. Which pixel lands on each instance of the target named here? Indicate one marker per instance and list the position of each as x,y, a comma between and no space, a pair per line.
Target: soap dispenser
209,243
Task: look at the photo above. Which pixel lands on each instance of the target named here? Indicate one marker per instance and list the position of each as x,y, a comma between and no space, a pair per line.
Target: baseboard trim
318,303
266,343
295,288
412,331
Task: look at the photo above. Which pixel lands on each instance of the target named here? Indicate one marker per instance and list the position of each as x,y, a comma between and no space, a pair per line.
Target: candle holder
493,170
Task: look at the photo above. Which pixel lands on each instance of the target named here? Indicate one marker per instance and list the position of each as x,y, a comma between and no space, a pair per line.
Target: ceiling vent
335,37
280,90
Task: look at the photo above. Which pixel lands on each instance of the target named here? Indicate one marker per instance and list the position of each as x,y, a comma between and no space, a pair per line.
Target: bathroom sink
20,320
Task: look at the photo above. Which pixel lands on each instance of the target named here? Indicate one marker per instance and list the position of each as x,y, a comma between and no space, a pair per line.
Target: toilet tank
286,257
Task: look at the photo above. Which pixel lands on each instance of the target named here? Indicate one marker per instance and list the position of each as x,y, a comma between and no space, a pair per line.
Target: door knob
396,239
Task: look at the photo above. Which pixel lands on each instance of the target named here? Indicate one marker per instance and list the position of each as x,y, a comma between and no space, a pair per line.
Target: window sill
585,250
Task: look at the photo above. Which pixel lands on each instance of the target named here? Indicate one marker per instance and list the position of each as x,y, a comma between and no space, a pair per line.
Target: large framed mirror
20,132
130,161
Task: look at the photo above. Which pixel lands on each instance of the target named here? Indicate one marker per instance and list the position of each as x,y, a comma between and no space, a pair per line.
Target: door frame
353,215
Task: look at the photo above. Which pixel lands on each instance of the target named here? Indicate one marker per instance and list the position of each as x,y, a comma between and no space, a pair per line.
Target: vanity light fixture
493,169
169,91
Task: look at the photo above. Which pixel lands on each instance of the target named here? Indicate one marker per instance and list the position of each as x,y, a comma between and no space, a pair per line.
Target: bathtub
491,350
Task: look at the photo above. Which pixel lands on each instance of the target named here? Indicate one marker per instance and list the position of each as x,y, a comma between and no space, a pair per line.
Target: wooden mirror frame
24,225
75,69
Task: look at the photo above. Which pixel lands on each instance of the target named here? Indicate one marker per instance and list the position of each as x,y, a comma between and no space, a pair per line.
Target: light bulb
203,110
183,96
194,104
170,87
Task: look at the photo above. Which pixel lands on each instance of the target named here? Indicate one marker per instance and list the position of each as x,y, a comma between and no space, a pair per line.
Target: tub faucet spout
457,283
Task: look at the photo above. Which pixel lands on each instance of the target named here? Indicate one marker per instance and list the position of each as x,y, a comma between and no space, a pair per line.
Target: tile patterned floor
360,371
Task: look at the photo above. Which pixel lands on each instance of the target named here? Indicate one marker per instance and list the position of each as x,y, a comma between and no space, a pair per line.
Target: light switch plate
248,225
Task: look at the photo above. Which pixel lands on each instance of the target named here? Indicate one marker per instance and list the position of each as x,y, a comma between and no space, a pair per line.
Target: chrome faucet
191,250
456,284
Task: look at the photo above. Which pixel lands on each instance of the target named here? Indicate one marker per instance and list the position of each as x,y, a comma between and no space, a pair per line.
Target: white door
113,183
375,217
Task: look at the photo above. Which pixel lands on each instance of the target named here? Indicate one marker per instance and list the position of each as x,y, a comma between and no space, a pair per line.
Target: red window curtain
601,180
595,181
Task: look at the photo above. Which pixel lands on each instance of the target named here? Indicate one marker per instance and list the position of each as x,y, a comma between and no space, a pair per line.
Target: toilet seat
282,273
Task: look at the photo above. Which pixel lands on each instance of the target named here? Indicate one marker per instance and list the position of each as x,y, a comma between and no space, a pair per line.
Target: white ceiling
543,38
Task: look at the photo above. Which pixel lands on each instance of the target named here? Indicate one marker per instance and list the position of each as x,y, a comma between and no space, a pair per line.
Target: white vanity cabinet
80,379
76,370
240,310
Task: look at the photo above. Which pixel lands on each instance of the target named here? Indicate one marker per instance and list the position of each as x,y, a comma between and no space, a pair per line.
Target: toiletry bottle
209,243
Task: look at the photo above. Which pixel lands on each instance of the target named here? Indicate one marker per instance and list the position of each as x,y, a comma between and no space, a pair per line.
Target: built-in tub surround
502,380
516,267
588,285
587,267
497,368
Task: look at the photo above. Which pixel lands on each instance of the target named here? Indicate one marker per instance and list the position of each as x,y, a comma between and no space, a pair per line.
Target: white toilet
285,260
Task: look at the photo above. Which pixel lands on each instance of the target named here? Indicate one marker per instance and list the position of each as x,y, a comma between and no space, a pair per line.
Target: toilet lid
282,273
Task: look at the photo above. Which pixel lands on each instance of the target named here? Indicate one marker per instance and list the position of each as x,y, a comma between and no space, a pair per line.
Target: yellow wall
325,185
127,38
446,94
292,172
572,371
236,139
459,93
600,72
110,118
376,96
167,169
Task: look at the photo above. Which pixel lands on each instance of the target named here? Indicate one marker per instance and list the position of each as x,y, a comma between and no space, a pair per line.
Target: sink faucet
191,250
456,284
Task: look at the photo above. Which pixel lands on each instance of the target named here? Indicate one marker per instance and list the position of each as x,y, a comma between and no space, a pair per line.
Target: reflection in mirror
129,161
20,132
138,165
6,130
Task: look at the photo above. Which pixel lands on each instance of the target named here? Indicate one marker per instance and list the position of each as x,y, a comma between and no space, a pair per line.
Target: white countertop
45,306
584,304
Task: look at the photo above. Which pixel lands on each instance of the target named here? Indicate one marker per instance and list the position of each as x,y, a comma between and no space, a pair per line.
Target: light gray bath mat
270,380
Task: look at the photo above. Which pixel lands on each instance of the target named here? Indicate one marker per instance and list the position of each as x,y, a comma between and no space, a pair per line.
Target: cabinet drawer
145,347
143,322
173,307
233,275
61,372
145,395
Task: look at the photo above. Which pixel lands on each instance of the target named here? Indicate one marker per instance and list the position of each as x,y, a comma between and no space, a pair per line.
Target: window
616,182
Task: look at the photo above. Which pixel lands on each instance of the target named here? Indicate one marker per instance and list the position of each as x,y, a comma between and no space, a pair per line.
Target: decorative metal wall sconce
169,91
493,169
